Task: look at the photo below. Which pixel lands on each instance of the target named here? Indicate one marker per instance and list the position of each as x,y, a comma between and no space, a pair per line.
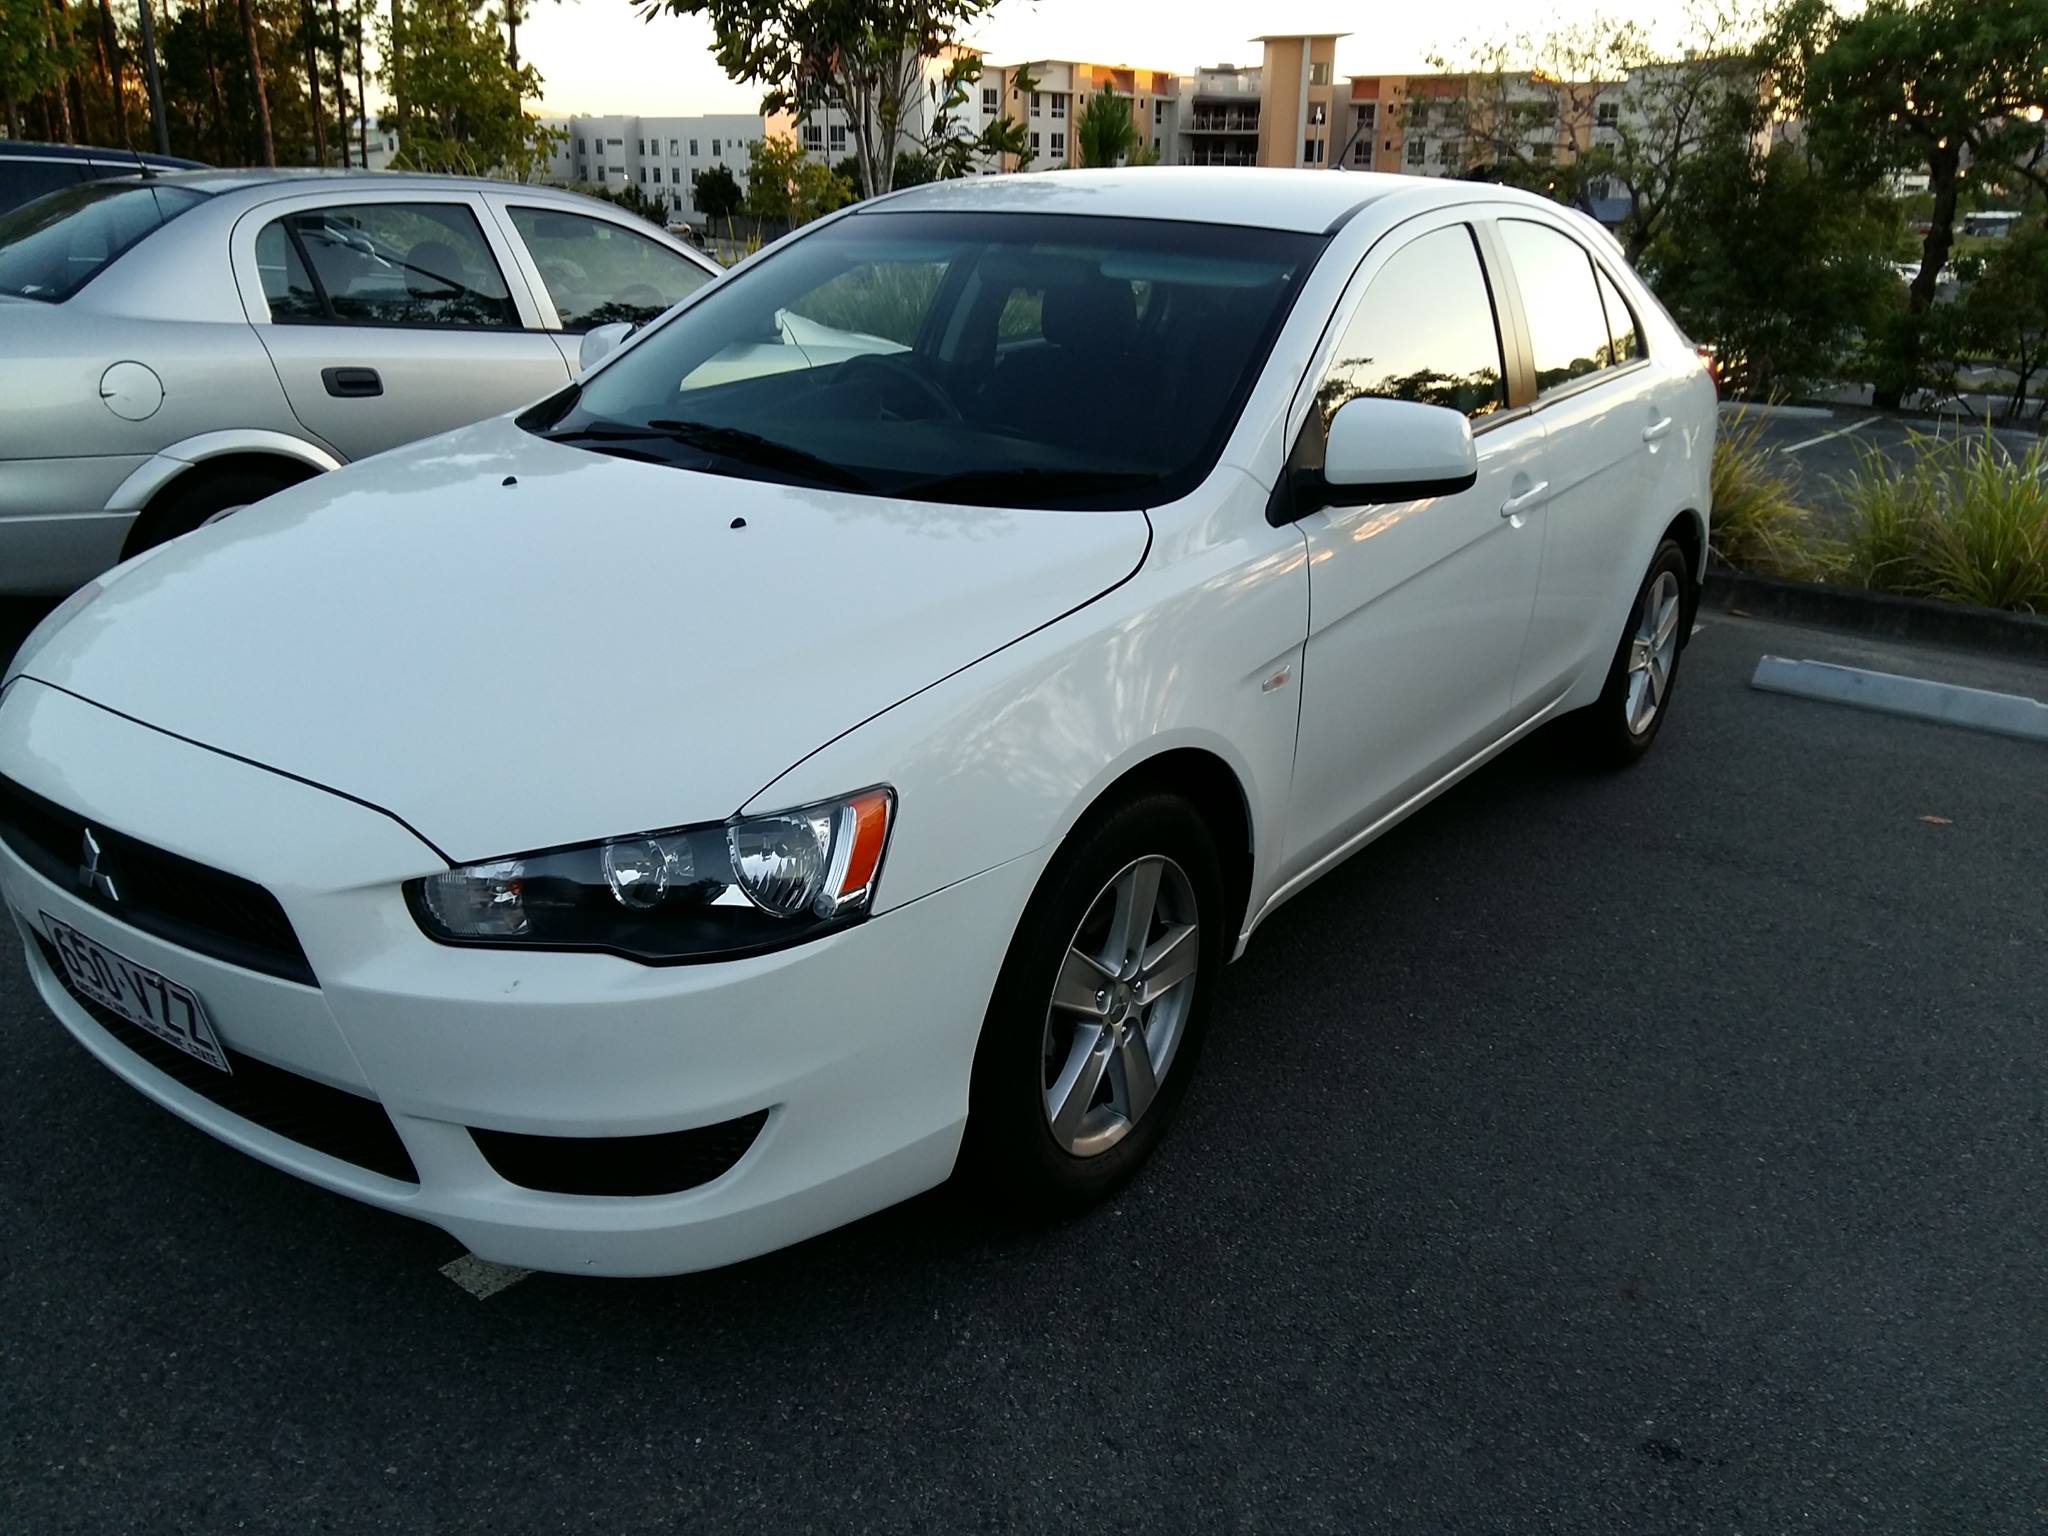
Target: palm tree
256,76
1105,134
311,29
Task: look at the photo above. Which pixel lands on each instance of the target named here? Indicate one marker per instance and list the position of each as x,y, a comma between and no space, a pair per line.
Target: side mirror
600,342
1394,450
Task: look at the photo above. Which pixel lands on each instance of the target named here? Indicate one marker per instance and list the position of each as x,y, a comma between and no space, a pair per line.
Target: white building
661,156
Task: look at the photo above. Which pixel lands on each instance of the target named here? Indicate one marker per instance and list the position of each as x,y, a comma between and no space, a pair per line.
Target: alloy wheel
1119,1005
1652,650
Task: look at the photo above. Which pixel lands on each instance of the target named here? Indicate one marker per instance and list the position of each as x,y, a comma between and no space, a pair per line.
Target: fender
137,491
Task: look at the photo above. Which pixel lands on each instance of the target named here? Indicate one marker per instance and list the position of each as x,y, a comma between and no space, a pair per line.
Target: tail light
1713,368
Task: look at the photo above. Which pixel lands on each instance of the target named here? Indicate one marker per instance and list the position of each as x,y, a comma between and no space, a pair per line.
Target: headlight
692,893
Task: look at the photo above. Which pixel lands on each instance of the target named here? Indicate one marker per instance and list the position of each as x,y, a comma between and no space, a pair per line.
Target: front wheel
1100,1008
1620,726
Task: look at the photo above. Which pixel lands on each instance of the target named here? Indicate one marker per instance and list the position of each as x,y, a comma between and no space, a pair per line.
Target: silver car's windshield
54,246
998,358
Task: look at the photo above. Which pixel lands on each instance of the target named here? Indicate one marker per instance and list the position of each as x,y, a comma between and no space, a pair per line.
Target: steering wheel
900,368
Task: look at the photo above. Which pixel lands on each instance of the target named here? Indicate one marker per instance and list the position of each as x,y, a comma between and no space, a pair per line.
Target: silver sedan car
175,346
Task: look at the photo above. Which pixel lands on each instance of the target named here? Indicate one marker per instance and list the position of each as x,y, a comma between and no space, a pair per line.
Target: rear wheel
1099,1012
1619,728
201,497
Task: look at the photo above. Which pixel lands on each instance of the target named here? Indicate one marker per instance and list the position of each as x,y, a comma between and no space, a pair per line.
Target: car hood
512,644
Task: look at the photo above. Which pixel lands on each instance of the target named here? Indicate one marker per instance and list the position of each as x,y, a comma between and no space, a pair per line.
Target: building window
814,137
1541,153
1416,150
1312,151
714,148
1059,104
838,137
643,175
693,149
616,143
1034,103
1059,146
991,100
1319,112
1607,115
673,150
1368,117
1158,112
583,146
1361,152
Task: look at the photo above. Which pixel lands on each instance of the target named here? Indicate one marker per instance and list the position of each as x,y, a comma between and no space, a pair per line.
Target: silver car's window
598,273
1425,330
408,264
1567,327
54,246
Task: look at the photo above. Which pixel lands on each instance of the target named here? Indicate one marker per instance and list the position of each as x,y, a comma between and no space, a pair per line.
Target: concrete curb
1914,698
1784,412
1878,613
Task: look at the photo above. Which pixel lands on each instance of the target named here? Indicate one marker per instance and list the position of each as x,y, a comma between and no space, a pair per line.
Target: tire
201,496
1620,726
1031,1046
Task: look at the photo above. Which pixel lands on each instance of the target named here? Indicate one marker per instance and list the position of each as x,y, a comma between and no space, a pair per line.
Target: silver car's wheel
1119,1004
1651,651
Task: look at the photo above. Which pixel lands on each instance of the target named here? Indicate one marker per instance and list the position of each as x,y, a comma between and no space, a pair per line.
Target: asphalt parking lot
1815,448
1660,1151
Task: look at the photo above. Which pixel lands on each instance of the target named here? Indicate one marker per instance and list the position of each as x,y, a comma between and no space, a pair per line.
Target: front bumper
853,1053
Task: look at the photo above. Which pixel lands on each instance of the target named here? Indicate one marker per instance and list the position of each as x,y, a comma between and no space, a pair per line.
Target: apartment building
661,156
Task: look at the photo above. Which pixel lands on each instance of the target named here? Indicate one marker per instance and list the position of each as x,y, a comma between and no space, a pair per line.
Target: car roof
24,149
1310,201
258,178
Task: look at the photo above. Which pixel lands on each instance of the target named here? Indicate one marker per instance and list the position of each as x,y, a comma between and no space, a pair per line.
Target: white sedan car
841,740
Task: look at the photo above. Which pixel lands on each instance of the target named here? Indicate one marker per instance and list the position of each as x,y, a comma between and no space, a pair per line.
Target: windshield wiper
725,442
752,448
1023,487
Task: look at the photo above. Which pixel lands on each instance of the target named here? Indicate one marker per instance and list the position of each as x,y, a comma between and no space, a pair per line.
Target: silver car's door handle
1526,500
1656,429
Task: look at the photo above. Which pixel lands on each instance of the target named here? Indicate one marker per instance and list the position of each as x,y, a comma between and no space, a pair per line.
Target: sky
598,56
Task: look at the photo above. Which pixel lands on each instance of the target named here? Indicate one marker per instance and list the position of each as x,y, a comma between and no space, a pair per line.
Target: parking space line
1854,426
480,1277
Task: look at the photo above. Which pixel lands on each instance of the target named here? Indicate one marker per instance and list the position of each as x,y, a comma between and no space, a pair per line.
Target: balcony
1222,122
1208,155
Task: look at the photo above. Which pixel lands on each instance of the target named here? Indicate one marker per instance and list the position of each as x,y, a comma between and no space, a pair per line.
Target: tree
1104,133
1781,268
464,104
256,76
716,192
951,147
634,201
864,58
35,61
2007,307
1898,86
785,185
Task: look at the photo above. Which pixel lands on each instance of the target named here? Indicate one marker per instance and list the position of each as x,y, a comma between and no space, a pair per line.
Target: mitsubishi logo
91,878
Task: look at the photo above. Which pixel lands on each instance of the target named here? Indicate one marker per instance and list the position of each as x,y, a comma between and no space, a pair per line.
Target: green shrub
1964,521
1758,525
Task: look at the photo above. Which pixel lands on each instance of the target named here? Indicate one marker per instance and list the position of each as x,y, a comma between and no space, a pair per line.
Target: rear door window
1624,331
1567,326
402,264
598,272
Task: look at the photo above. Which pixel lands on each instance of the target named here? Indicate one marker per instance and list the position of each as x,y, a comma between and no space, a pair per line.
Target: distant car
846,736
173,347
29,171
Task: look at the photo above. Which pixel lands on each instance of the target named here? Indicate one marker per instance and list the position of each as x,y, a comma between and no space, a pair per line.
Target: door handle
352,383
1526,500
1656,429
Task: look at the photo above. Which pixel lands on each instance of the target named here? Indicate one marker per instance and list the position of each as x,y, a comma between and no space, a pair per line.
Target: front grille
185,903
341,1124
665,1164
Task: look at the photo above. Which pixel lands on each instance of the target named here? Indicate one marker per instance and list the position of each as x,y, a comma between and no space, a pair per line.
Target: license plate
138,994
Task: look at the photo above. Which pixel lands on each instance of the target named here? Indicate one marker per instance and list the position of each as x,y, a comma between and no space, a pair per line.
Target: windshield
54,246
1002,359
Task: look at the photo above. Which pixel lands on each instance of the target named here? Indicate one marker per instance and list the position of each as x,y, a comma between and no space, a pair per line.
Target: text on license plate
139,995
